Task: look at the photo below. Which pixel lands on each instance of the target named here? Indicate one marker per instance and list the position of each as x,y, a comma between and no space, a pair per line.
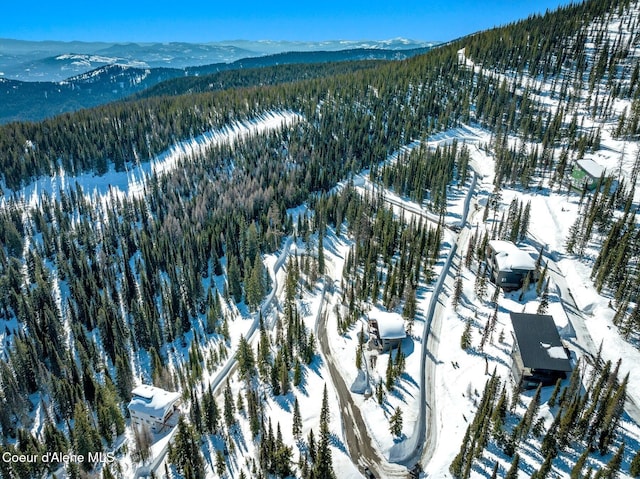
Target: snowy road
359,442
421,445
265,309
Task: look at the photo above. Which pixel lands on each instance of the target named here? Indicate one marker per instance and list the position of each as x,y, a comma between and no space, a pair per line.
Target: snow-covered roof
509,257
591,168
539,342
390,325
152,401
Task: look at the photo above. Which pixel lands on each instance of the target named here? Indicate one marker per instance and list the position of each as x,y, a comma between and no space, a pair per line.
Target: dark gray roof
539,342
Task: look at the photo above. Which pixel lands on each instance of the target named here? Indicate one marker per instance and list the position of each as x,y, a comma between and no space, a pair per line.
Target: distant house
586,172
386,330
538,355
508,265
153,407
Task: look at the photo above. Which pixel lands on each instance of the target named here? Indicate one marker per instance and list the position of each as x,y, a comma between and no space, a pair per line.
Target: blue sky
215,20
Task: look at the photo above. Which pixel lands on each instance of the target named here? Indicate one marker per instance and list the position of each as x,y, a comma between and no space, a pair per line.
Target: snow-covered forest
246,248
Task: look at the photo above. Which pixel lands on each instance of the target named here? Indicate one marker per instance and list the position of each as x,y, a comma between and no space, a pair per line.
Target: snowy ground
133,180
461,375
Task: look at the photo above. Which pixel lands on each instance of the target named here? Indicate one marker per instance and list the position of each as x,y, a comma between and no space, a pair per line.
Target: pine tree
321,266
389,374
297,373
256,283
512,473
210,411
233,278
525,286
554,393
245,359
323,465
465,339
458,462
221,464
229,406
524,222
524,426
613,466
86,437
312,446
576,470
634,467
185,452
395,423
457,292
544,301
297,420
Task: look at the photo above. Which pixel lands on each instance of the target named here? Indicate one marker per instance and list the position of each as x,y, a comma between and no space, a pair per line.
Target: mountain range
57,61
323,270
42,79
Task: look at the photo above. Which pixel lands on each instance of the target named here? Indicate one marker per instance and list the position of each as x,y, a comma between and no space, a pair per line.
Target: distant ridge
56,61
34,101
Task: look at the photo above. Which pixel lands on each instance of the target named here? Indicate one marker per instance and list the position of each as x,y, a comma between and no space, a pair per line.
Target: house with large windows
508,265
386,330
154,408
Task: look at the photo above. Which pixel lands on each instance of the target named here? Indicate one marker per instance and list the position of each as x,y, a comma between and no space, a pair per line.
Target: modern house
508,265
538,355
586,172
386,330
153,407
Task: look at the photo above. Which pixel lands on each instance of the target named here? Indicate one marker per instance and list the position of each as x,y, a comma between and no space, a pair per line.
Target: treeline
395,102
253,77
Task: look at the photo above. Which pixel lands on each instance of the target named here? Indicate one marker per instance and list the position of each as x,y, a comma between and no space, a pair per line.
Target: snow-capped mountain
56,61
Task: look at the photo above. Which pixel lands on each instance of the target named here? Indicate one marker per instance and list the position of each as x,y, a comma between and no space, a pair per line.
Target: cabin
538,355
508,265
386,330
587,173
153,407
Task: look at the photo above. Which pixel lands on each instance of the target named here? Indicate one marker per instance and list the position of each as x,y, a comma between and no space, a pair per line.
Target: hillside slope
199,243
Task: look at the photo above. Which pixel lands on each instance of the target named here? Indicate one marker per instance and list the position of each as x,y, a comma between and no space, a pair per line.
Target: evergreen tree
465,339
185,452
390,374
86,437
576,470
634,467
613,466
229,406
321,266
245,359
323,465
543,306
457,292
512,473
256,283
395,423
297,420
233,278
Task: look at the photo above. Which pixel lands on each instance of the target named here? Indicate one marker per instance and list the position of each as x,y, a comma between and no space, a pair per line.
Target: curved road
359,442
264,309
419,445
